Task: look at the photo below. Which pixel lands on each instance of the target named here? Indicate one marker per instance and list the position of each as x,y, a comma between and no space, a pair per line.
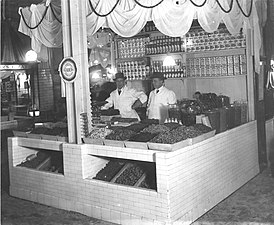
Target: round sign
68,69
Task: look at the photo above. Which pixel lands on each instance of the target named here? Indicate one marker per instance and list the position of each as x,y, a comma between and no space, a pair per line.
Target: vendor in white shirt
159,98
125,99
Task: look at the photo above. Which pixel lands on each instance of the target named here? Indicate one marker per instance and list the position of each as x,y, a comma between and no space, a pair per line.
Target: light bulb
169,61
31,56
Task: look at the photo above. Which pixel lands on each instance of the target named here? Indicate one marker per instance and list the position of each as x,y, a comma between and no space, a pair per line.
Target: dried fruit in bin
130,175
143,137
124,120
109,171
203,128
57,131
179,134
110,112
150,121
120,135
137,127
156,128
99,133
35,162
172,126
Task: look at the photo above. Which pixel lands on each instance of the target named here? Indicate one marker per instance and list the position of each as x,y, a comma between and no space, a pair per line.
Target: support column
250,74
75,45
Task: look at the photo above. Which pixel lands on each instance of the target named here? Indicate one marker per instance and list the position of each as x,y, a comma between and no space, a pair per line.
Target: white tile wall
190,181
212,173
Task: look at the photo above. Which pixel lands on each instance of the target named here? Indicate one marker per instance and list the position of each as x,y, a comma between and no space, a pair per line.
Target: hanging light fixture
31,56
169,61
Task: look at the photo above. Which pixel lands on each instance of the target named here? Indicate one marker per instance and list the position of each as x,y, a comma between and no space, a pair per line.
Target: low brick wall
190,180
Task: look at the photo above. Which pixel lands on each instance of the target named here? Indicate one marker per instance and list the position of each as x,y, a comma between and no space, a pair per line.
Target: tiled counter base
189,181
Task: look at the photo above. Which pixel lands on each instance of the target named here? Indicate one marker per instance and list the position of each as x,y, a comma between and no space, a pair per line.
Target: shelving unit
216,59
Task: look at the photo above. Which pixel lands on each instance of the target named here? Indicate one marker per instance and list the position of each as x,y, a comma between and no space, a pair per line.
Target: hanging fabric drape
127,18
49,31
12,46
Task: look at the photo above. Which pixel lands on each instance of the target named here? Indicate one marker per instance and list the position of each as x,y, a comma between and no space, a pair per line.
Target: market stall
131,172
18,94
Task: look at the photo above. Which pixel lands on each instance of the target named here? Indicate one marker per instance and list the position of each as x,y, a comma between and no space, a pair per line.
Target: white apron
158,104
124,101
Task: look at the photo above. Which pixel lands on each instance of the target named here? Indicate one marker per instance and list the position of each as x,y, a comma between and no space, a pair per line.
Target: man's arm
139,95
110,102
141,98
172,97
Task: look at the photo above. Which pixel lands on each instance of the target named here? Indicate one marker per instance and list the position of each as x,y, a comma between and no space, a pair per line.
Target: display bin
202,137
173,201
114,143
169,147
19,133
134,144
98,141
39,136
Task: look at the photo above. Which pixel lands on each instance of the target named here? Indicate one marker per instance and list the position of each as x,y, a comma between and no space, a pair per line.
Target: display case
197,54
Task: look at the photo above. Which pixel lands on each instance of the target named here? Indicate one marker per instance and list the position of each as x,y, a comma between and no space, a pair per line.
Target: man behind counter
159,98
125,99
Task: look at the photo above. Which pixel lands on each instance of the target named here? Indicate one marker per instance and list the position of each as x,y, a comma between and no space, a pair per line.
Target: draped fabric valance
172,18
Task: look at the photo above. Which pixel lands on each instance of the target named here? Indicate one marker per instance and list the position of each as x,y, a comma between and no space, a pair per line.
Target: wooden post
250,75
75,45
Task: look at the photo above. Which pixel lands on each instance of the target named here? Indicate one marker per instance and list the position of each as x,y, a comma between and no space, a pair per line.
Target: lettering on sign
14,67
68,69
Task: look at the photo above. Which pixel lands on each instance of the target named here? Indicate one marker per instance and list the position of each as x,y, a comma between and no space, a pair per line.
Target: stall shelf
189,181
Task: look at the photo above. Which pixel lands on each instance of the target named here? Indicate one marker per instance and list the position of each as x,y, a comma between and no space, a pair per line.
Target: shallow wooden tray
142,178
127,165
93,141
202,137
169,147
35,136
19,133
49,137
108,118
114,143
39,136
62,139
45,164
135,144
